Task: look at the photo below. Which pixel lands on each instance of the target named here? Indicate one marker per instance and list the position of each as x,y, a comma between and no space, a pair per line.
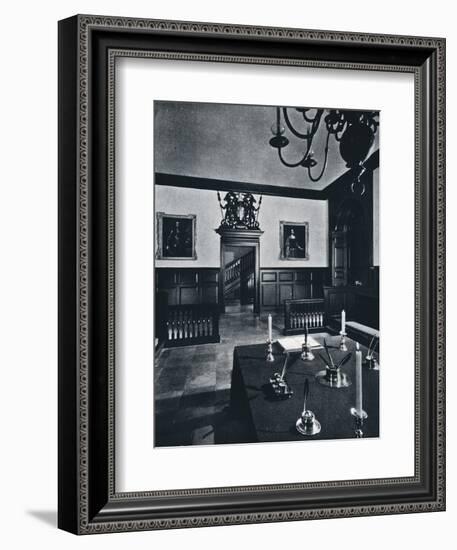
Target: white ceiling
230,142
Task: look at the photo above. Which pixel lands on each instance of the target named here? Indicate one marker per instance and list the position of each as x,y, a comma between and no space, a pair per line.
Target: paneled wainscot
278,285
186,286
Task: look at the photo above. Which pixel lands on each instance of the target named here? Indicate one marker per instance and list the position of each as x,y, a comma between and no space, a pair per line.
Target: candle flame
357,346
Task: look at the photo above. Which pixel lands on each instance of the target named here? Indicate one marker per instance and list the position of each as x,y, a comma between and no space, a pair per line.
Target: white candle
343,321
358,379
270,334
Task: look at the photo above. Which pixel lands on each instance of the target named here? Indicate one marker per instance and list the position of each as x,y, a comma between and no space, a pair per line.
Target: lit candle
343,322
270,328
358,380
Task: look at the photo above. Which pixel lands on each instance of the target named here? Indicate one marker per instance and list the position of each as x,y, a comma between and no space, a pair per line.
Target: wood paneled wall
187,286
200,286
343,204
360,303
277,285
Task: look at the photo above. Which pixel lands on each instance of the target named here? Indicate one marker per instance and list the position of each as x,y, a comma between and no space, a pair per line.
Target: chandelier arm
314,180
316,122
311,119
291,164
292,129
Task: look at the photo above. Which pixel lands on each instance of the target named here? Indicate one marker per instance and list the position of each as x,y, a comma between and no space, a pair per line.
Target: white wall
28,230
275,209
202,203
176,200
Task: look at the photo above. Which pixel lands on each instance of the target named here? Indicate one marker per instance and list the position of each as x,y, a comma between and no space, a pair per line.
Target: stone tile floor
192,385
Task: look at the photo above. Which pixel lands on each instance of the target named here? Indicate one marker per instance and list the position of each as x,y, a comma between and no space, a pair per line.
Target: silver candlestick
306,353
270,357
359,417
307,424
343,346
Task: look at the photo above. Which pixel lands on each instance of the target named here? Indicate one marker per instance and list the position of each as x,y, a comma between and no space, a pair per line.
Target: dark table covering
270,419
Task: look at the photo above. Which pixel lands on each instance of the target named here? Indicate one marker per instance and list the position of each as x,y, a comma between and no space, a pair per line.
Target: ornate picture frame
88,499
294,240
185,245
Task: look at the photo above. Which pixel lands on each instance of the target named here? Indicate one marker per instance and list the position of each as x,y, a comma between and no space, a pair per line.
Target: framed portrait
176,236
294,237
325,346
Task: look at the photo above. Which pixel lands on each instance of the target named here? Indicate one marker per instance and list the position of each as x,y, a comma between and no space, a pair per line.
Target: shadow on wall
45,516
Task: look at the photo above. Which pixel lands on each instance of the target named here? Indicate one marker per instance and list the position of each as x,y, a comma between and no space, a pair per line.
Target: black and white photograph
264,339
225,278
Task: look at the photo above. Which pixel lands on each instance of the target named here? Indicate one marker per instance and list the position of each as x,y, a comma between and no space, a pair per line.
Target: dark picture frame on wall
294,240
89,498
176,236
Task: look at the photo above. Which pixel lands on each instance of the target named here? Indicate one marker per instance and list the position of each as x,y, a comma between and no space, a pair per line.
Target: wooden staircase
239,280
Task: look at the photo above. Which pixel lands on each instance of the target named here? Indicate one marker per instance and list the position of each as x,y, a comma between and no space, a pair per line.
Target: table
269,419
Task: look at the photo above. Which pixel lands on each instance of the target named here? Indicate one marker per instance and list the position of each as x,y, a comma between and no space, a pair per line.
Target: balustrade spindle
189,325
203,327
307,312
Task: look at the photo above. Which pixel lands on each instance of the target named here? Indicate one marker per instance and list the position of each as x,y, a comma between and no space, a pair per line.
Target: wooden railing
232,271
297,313
192,324
237,271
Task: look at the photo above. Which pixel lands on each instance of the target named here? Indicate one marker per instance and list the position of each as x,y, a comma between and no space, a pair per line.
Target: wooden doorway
240,267
238,275
350,245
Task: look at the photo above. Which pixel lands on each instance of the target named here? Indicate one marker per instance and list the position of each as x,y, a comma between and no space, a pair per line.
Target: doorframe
246,238
346,208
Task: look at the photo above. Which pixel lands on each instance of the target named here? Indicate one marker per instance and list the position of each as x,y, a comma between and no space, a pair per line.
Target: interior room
267,226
